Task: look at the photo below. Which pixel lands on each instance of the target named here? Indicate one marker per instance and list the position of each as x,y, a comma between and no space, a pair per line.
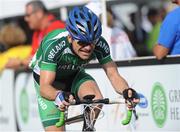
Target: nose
89,47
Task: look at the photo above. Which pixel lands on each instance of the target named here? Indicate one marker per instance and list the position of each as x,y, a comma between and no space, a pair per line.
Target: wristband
59,98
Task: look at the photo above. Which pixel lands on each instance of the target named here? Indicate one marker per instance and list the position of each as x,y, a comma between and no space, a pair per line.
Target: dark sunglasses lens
83,43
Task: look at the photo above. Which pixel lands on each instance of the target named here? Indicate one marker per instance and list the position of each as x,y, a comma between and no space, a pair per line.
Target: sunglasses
82,43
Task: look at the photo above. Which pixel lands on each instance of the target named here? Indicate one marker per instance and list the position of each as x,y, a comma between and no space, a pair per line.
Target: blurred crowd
19,43
41,21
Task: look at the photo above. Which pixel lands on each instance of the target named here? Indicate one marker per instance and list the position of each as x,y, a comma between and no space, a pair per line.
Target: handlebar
88,100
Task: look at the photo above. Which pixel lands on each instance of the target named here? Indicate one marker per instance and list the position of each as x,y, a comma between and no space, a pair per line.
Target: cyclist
58,65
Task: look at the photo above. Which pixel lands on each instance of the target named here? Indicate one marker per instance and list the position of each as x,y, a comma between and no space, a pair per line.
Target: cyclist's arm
117,81
48,64
46,88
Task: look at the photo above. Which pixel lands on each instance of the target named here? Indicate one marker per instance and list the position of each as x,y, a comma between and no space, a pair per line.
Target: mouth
85,52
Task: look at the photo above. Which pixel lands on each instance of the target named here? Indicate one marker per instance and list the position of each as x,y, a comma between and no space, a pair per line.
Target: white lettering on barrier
174,95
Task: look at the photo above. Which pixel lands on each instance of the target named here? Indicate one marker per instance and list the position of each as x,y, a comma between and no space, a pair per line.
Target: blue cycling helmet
84,25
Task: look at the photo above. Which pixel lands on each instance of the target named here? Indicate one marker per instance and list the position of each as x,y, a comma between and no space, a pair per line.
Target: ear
69,39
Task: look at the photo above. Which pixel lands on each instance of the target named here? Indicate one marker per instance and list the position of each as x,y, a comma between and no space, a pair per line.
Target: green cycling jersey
55,54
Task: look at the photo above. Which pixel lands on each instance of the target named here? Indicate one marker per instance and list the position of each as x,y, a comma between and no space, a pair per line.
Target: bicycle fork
88,124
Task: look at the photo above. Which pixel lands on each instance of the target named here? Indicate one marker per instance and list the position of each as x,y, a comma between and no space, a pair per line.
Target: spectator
12,35
120,45
138,35
13,38
155,19
2,47
42,22
169,36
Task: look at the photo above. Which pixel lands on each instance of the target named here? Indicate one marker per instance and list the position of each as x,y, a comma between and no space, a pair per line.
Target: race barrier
157,83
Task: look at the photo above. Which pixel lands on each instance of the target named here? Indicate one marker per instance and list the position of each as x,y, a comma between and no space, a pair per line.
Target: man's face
32,17
176,2
83,50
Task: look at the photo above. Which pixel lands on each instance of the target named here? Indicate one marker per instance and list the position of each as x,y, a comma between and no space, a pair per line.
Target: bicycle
86,116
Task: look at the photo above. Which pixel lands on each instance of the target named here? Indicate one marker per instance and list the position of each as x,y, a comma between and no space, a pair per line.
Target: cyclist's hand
62,100
131,97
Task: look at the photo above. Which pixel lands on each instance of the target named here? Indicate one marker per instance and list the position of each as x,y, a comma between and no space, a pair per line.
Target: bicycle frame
88,100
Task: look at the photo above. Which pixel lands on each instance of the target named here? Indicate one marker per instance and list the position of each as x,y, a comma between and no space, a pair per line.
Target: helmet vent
81,27
73,32
81,15
96,26
89,25
89,15
75,15
70,22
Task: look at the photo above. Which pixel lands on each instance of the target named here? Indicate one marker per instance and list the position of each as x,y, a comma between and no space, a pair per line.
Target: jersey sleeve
168,30
51,48
48,61
102,51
